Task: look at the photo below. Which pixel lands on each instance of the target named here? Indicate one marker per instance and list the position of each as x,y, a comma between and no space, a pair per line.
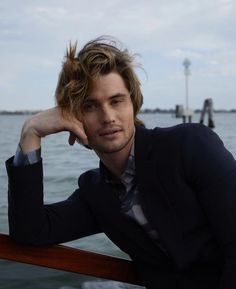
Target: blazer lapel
126,230
156,206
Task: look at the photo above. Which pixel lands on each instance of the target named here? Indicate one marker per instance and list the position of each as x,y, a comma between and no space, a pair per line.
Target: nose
107,114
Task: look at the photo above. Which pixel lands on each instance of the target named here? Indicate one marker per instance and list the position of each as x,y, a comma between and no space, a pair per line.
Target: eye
90,106
116,101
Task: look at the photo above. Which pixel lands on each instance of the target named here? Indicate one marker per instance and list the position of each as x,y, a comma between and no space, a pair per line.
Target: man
166,197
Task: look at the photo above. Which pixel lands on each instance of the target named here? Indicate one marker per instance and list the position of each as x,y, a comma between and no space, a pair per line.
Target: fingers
72,138
77,132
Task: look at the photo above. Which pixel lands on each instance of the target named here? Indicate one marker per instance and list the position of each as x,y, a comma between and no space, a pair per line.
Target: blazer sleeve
33,222
211,169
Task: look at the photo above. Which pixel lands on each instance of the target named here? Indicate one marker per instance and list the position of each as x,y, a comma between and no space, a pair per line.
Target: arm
31,221
49,122
212,171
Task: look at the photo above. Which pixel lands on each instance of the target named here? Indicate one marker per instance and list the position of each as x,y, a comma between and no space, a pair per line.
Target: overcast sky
34,35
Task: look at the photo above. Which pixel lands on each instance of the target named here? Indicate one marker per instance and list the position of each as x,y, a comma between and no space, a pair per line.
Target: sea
62,166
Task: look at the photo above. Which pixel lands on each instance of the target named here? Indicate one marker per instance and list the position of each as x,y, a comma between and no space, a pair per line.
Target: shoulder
197,149
176,139
90,178
182,134
186,135
182,130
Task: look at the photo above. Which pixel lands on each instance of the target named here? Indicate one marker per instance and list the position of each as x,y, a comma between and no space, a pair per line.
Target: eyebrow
117,95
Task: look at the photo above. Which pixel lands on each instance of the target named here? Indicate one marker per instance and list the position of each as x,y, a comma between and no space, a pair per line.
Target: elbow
22,237
25,235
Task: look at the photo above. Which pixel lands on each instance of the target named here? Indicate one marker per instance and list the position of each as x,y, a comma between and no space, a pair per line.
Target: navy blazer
187,185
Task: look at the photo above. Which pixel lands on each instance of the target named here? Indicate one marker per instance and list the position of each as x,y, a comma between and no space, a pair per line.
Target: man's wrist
24,159
29,140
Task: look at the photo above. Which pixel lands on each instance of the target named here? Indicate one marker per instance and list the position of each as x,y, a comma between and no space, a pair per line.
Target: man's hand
49,122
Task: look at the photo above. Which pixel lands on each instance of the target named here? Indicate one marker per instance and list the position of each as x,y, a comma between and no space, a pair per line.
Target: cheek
128,114
89,126
89,120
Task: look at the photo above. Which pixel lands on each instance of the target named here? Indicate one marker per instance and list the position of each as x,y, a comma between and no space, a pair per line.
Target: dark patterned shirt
130,201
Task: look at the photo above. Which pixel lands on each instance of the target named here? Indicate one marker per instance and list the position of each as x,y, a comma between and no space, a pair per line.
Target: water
62,166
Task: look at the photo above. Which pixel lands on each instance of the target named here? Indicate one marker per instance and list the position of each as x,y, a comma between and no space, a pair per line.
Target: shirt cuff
22,159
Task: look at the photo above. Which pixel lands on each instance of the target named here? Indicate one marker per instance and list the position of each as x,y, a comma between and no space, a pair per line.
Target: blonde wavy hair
98,57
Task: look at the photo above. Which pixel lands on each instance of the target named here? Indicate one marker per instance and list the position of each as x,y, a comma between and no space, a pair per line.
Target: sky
34,36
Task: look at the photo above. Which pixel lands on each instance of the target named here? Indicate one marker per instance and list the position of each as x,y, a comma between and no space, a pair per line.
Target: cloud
34,35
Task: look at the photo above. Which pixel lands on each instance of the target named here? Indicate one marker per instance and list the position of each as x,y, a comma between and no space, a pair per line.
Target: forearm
33,222
49,122
30,220
25,193
30,140
25,197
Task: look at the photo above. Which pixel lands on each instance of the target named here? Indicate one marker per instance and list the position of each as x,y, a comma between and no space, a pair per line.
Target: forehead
107,85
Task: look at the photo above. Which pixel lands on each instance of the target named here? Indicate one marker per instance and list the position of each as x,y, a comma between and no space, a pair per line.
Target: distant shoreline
172,111
18,112
143,111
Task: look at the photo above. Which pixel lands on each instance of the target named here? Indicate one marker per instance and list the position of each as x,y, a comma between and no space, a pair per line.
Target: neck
116,162
115,165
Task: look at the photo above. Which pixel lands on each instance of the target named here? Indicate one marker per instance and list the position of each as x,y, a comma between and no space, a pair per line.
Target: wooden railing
69,259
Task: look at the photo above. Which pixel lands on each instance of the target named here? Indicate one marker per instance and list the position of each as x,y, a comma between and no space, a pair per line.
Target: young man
166,197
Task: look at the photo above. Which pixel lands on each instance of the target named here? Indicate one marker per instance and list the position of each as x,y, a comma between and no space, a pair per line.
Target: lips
107,132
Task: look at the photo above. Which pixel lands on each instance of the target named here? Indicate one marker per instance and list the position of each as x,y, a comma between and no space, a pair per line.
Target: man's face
108,115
